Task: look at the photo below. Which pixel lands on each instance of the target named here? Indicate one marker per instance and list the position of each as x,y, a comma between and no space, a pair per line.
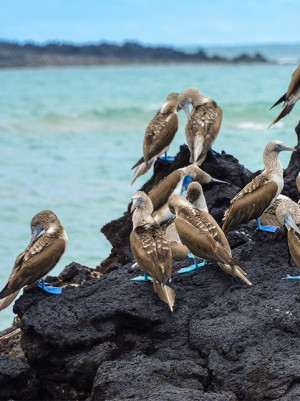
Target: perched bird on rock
150,248
290,97
288,213
203,123
201,234
40,256
259,194
158,135
176,182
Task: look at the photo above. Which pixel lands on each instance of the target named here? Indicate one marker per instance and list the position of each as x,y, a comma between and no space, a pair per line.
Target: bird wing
34,262
152,251
202,129
250,202
294,83
200,242
159,194
159,134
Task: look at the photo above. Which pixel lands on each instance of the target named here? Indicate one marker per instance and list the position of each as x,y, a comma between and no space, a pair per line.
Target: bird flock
172,220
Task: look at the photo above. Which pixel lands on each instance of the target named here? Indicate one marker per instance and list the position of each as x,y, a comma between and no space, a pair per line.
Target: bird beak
289,221
134,204
185,183
219,181
186,107
35,230
282,147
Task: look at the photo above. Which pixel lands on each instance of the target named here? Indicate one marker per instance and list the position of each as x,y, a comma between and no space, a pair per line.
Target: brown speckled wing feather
35,262
202,128
259,194
159,134
152,251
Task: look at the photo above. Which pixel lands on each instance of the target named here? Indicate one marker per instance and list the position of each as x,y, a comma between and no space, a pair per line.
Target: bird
158,135
40,256
203,123
291,96
288,213
201,234
150,248
176,182
253,200
269,216
196,197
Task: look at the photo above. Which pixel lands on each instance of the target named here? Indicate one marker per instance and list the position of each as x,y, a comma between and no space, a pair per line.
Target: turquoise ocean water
69,137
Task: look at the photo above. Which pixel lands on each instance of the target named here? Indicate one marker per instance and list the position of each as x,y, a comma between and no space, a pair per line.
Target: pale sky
170,22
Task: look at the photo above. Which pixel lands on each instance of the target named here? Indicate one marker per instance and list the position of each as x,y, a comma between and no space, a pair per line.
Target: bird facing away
196,197
158,135
40,256
176,182
291,96
201,234
269,216
150,248
288,213
203,123
251,202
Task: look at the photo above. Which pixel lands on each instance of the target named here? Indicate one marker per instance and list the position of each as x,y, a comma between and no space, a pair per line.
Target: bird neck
272,163
200,203
141,216
168,107
198,99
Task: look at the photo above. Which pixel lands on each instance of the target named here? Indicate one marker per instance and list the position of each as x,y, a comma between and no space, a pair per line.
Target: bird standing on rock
288,213
203,123
201,234
158,135
150,247
252,201
291,96
40,256
176,182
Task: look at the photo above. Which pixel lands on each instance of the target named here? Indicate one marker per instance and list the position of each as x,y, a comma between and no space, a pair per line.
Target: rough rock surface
113,339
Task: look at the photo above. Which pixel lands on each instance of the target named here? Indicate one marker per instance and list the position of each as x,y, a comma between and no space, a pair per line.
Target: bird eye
140,199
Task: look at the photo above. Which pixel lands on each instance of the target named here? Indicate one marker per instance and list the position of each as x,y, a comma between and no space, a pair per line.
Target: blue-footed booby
150,248
203,123
253,200
288,213
176,182
158,135
290,97
202,235
40,256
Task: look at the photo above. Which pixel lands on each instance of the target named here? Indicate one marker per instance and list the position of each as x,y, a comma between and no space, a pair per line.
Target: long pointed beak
134,204
219,181
35,230
289,221
186,107
283,147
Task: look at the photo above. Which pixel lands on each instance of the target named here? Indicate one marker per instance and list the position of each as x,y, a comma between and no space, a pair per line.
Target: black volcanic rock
112,339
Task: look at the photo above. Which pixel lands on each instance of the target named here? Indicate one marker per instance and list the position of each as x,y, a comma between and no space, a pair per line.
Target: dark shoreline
14,54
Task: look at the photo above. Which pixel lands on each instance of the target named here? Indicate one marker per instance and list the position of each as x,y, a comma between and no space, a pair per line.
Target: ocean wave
255,126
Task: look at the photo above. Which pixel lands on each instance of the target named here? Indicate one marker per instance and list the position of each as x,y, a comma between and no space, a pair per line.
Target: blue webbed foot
48,288
167,158
145,277
270,229
195,266
291,278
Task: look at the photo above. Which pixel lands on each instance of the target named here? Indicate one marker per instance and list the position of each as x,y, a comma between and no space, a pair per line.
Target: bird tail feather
165,293
5,302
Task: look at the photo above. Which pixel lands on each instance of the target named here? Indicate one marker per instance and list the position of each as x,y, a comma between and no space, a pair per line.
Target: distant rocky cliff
62,54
